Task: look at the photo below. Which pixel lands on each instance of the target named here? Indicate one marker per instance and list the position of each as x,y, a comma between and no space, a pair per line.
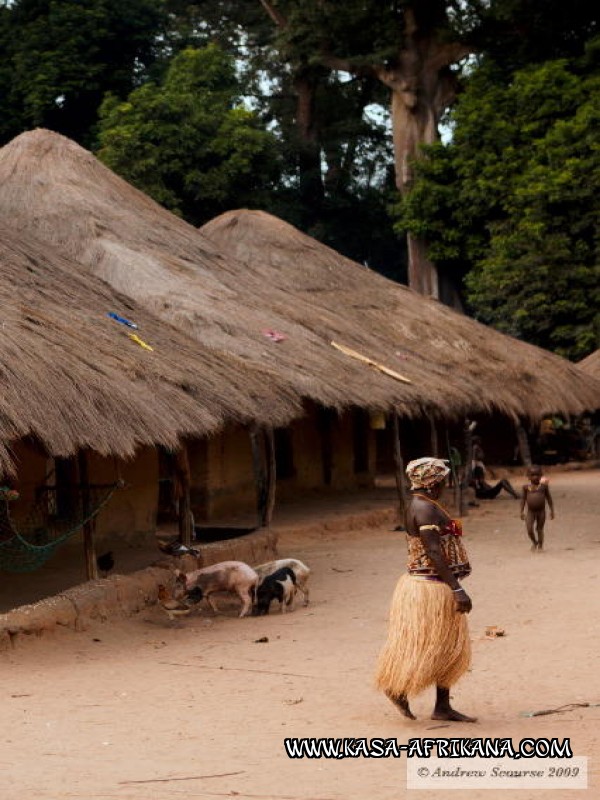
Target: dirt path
102,714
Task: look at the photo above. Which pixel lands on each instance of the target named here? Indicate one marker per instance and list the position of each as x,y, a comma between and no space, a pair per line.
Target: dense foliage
513,203
58,58
188,142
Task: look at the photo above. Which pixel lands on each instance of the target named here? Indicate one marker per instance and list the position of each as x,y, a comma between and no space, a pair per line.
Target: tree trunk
309,152
413,125
422,86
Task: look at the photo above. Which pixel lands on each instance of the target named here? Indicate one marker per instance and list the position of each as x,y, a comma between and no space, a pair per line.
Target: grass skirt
428,641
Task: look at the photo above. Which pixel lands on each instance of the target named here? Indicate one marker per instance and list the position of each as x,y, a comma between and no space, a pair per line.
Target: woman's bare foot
401,702
451,715
444,711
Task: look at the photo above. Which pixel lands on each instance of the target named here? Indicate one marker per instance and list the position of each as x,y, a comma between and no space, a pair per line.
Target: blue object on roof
122,320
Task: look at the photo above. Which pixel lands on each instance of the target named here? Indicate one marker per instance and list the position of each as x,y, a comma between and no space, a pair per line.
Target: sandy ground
138,710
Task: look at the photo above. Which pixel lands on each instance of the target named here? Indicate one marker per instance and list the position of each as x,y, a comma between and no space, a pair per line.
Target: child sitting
484,490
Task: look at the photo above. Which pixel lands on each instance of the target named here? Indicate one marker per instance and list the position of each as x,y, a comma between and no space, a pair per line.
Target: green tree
338,158
188,141
413,49
513,202
59,57
336,171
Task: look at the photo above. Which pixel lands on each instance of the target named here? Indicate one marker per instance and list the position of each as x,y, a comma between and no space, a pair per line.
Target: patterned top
453,550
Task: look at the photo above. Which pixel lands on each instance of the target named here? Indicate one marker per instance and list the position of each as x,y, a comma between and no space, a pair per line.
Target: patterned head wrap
426,472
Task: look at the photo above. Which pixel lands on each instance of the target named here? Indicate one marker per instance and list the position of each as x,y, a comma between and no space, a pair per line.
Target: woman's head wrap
426,472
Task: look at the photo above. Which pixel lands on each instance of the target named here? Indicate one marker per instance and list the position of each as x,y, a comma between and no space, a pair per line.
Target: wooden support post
182,468
260,476
434,437
89,549
271,477
456,477
523,442
325,418
399,469
468,467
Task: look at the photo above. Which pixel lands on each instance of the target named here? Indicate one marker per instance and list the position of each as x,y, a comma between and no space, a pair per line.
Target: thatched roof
289,284
72,377
591,364
506,373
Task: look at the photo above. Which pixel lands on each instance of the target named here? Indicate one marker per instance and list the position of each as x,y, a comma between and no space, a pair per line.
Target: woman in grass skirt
428,637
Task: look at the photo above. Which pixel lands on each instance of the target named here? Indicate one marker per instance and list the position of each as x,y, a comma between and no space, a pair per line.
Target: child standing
535,496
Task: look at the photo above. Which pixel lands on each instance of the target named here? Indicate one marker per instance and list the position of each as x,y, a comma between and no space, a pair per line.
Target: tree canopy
59,58
188,142
512,202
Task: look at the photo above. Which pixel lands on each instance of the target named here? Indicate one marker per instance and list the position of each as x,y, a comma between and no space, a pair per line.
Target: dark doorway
67,491
360,435
325,422
284,453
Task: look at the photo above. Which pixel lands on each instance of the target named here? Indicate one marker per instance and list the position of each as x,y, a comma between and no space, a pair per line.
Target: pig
300,570
280,585
235,577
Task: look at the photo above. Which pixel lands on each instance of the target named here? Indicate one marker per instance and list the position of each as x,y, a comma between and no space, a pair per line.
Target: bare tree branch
345,65
274,13
445,54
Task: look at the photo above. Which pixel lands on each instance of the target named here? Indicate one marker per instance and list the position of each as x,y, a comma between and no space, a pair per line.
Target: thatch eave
496,372
71,377
54,189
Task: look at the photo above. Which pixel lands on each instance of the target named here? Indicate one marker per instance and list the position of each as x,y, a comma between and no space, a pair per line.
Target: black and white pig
280,585
300,570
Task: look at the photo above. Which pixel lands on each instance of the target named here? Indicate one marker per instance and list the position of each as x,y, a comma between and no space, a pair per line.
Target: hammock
39,536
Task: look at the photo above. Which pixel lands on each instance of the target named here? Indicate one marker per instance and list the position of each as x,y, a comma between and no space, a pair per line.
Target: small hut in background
92,387
350,345
591,366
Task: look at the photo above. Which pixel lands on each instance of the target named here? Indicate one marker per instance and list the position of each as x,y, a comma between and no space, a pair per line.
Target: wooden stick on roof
386,370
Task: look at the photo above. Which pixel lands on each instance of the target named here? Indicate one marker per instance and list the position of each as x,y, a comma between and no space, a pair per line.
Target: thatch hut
514,379
591,366
497,372
59,192
287,304
86,399
113,230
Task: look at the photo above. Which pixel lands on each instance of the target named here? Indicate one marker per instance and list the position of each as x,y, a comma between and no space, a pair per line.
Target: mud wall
81,606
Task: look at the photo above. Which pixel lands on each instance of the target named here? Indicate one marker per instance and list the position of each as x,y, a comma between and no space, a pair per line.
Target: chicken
176,548
172,607
105,563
